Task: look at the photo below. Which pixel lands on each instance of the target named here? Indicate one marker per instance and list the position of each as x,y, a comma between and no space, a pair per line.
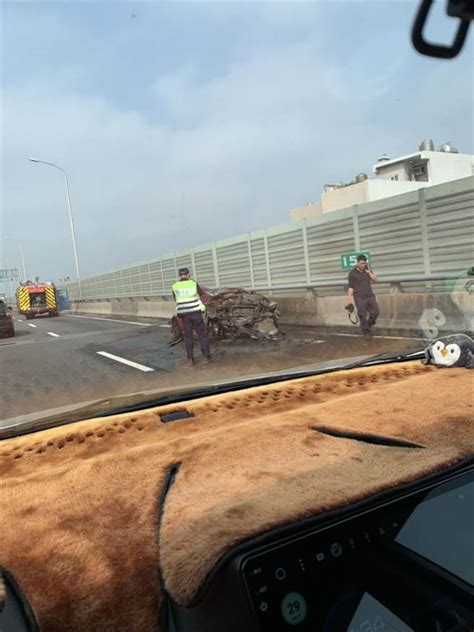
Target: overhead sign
9,274
349,260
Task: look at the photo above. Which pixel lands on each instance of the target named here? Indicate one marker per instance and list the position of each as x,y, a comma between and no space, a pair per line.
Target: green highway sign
349,260
9,274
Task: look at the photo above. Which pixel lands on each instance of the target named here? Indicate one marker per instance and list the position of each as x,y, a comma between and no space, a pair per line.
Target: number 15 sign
349,260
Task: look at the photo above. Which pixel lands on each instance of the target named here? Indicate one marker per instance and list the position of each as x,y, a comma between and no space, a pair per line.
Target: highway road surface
55,362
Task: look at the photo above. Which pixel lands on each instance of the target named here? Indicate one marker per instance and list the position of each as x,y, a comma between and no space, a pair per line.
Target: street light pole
71,219
25,278
21,254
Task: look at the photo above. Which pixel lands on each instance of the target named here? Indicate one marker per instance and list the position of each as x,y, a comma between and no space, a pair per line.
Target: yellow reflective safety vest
187,297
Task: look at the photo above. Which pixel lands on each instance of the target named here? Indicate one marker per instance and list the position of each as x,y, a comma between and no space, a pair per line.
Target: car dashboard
403,563
339,501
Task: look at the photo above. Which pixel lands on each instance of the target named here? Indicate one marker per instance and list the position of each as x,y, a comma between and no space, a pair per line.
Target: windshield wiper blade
386,358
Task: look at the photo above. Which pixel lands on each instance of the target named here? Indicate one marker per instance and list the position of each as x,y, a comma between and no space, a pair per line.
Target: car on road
7,329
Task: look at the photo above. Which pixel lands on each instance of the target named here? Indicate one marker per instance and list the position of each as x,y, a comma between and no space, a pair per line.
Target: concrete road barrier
126,307
102,308
398,312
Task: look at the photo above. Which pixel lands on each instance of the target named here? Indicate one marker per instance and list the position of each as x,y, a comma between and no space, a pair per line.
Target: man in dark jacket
360,294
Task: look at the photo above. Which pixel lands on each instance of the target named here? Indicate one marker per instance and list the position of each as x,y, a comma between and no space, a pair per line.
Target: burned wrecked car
233,313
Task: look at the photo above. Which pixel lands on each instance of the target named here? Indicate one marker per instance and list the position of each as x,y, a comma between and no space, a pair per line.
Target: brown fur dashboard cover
81,526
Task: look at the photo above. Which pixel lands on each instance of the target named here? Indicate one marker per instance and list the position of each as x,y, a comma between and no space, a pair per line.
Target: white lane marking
42,341
135,365
166,326
114,320
31,325
51,333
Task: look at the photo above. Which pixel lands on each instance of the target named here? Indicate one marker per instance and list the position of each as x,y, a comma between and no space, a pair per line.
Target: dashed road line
31,325
114,320
51,333
135,365
66,337
168,326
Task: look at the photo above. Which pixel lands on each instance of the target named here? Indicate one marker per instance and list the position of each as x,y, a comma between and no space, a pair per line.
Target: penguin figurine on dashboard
452,351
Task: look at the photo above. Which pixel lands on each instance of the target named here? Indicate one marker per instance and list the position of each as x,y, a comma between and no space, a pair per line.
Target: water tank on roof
360,177
426,145
449,148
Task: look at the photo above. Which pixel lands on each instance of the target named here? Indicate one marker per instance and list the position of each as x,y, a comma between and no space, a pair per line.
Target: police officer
360,292
190,308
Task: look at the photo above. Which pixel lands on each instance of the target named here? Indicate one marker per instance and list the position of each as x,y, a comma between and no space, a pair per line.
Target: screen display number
294,608
372,616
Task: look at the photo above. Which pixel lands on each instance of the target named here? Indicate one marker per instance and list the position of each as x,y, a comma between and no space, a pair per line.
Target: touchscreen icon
336,549
294,608
280,574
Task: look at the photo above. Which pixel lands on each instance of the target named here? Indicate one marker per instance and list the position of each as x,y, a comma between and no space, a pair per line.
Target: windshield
203,193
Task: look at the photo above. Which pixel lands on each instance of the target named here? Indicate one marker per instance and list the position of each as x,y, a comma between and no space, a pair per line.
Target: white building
426,167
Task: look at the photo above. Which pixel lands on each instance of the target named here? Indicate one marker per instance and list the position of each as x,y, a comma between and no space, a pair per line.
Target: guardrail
394,281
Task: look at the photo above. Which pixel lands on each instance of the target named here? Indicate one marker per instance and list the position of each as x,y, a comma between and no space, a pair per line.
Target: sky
181,123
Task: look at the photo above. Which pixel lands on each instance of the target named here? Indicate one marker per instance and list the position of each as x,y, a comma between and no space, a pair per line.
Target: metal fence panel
169,272
393,237
326,243
204,271
182,260
144,279
234,264
259,262
286,257
156,277
450,221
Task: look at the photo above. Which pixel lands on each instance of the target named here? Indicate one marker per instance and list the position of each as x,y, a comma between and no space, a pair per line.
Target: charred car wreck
233,313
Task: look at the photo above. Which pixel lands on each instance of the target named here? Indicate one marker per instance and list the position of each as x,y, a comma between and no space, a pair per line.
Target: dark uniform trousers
368,311
194,320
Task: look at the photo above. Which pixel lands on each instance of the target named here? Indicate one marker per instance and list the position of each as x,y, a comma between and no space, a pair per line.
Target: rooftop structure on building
393,176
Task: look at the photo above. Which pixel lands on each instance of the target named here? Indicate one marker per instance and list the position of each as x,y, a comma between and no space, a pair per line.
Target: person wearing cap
190,308
361,294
